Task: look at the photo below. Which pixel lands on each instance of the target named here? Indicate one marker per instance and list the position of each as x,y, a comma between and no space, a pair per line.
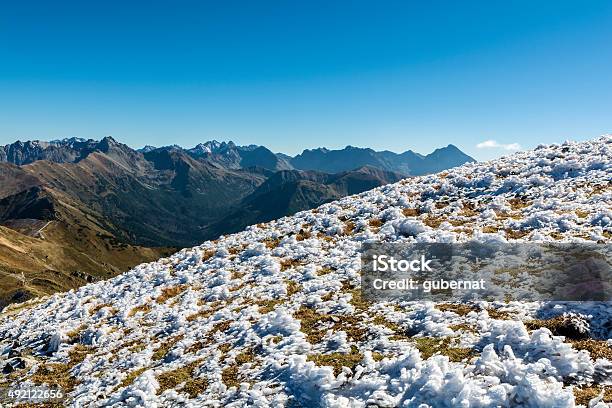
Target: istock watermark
487,271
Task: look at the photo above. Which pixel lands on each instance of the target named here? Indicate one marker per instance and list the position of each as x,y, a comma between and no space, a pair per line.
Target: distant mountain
408,163
163,197
289,191
231,156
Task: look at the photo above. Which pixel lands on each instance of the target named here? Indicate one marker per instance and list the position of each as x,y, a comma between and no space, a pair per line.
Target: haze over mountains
102,207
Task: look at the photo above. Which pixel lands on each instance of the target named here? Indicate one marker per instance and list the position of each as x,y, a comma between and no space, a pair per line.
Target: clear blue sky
292,75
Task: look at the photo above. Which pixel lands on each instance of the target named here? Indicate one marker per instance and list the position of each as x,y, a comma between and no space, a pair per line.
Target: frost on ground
272,316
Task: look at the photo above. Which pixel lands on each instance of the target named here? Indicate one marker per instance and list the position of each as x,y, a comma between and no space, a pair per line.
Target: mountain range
231,156
106,207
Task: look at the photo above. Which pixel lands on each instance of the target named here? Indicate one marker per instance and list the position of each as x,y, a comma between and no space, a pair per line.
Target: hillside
287,192
272,316
50,243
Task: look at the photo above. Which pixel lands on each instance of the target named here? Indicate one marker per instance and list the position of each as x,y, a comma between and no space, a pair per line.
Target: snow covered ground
273,316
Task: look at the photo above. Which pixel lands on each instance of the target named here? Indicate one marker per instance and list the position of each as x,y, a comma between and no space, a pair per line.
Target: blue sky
294,75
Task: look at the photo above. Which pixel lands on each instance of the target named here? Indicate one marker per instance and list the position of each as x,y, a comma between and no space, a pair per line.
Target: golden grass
169,293
338,360
518,203
490,229
584,394
202,314
303,234
430,346
433,222
58,374
458,308
183,375
197,346
375,223
596,348
558,325
271,243
315,325
499,314
411,212
167,344
383,321
221,327
131,377
468,210
289,263
292,287
349,228
515,234
99,307
145,308
581,213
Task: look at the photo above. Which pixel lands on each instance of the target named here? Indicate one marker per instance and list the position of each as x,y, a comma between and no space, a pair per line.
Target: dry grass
271,243
266,306
75,334
224,348
559,326
209,253
458,308
349,228
169,293
197,346
383,321
58,374
375,223
463,327
338,360
235,250
182,375
490,229
221,327
581,213
99,307
468,210
231,375
596,348
315,325
205,313
145,308
132,376
358,301
518,203
292,287
289,263
515,234
411,212
303,234
430,346
163,349
195,386
583,395
433,222
457,222
499,314
325,271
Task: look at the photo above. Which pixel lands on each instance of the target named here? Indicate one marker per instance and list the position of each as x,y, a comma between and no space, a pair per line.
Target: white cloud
493,144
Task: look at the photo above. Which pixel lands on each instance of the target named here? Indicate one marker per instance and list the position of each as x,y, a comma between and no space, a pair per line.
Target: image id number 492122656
30,394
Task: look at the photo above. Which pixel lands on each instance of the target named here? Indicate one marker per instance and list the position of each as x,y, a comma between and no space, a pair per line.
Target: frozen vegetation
272,316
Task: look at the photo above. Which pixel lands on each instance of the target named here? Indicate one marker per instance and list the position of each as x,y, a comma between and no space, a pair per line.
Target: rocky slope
272,316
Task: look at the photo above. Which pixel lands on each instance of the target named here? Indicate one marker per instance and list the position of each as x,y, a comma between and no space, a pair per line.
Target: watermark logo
487,271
